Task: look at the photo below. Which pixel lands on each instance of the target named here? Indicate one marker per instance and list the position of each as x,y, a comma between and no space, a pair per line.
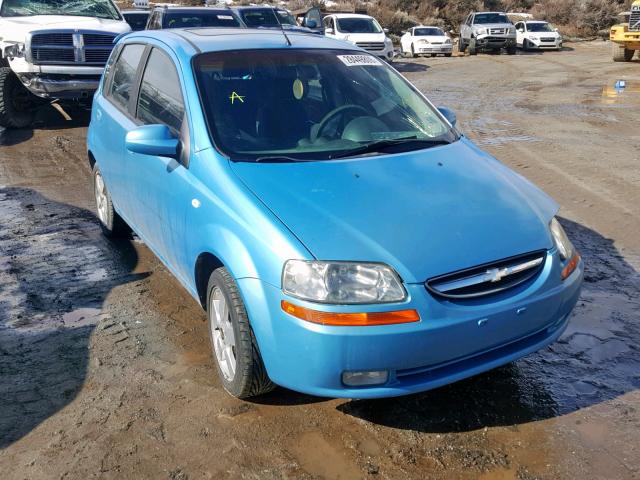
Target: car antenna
281,27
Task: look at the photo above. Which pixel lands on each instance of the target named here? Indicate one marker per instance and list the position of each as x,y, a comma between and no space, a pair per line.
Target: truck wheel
525,44
413,52
111,223
621,54
16,103
236,352
461,45
473,50
511,50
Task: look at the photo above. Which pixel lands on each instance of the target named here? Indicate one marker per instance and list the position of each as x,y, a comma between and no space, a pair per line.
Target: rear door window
123,76
160,99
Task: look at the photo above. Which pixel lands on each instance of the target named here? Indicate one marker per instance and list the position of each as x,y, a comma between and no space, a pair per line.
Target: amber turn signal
570,266
350,319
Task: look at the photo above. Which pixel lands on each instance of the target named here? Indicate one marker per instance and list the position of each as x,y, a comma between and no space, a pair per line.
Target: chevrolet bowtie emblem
496,274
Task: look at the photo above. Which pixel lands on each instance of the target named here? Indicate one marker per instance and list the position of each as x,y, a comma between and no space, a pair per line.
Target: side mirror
155,140
329,31
311,23
448,114
385,30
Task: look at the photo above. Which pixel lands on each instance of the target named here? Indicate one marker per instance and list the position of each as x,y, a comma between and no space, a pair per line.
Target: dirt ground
105,365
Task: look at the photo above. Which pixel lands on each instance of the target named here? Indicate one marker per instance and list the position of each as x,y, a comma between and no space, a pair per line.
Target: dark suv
191,17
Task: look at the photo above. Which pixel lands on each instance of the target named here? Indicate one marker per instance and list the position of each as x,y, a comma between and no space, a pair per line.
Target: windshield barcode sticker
359,60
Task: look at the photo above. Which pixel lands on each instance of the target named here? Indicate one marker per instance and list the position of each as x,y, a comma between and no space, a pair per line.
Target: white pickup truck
52,49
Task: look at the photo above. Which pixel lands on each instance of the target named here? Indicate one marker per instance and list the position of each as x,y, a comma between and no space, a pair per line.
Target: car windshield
136,20
78,8
483,18
539,27
201,18
311,104
266,17
358,25
431,31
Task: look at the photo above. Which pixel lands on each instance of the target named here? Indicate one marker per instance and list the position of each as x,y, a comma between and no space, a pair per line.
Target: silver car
487,31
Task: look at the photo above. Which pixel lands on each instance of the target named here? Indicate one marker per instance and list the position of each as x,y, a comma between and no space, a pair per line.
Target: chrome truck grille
498,31
70,47
489,278
374,46
634,20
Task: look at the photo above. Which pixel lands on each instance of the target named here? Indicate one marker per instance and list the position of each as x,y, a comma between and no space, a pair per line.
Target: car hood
365,37
16,28
493,25
425,213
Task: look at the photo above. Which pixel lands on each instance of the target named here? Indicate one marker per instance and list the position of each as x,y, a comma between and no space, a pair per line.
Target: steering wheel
317,132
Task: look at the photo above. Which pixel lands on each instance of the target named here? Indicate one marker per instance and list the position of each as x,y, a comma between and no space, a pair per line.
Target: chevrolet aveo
343,237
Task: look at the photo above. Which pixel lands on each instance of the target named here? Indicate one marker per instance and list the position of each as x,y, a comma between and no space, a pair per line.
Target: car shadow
409,67
56,270
47,117
594,361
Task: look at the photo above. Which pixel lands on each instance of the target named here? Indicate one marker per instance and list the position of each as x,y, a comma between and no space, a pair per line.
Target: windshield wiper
384,145
278,159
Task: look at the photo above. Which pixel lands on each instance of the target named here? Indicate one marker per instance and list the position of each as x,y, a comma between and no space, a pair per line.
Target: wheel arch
205,264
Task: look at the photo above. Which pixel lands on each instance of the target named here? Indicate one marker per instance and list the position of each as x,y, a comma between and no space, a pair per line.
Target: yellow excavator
626,36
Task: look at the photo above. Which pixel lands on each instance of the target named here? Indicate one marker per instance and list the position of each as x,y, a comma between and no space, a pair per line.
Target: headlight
564,245
341,282
14,51
482,31
533,37
423,40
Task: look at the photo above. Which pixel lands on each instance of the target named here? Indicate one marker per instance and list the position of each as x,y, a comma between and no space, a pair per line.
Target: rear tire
234,345
112,224
473,49
16,103
621,54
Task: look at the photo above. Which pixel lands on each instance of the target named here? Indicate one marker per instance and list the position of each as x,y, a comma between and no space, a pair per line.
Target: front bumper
493,42
451,342
60,86
443,48
541,45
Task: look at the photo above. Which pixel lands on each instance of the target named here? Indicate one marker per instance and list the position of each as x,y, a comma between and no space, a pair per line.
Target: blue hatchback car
343,237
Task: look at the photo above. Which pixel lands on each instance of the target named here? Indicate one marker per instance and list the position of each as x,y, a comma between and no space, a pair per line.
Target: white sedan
426,40
537,35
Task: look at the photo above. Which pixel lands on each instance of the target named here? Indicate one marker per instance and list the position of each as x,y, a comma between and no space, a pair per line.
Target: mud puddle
621,92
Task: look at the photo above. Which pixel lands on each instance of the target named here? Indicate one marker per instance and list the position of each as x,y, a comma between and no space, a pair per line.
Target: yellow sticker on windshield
298,88
234,96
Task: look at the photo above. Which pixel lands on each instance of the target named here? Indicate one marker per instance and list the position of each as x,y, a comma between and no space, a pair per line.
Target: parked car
52,50
426,40
537,35
482,31
343,237
361,30
137,19
269,17
168,16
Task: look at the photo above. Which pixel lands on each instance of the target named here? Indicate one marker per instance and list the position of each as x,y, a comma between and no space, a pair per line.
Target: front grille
52,55
53,39
497,31
548,39
634,20
436,43
97,39
488,278
71,48
371,45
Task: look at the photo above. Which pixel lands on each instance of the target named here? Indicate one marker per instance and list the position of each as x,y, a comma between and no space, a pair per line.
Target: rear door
112,119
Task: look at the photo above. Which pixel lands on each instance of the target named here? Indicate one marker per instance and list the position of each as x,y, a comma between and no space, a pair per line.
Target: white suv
52,49
363,30
537,35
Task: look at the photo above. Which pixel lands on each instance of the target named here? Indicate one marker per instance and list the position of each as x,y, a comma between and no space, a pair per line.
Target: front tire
112,224
413,52
621,54
234,345
16,102
473,49
511,50
461,45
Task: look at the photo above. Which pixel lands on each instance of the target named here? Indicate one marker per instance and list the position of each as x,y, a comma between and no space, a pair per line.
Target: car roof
535,21
258,7
428,26
141,12
214,39
192,9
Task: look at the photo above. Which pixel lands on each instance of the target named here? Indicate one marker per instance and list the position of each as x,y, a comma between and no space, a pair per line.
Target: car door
162,183
112,117
331,28
405,41
519,32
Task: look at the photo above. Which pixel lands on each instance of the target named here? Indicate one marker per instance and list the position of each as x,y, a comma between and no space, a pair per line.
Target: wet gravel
105,367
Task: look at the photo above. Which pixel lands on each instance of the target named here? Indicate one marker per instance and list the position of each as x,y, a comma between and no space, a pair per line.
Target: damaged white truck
52,49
